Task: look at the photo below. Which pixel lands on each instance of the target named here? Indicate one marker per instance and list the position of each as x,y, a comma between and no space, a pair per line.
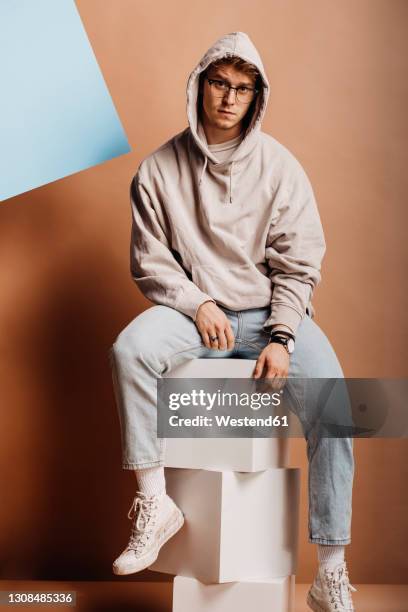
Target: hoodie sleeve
153,265
294,251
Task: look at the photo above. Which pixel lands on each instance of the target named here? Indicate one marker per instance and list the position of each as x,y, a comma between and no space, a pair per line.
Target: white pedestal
272,595
238,526
236,454
214,368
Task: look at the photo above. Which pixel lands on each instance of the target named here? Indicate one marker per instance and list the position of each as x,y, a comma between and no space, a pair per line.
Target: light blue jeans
161,338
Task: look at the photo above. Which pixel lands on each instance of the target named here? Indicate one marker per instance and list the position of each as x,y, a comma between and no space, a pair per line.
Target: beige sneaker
155,520
331,591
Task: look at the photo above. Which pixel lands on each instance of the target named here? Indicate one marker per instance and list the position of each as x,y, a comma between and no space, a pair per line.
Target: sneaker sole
313,604
170,529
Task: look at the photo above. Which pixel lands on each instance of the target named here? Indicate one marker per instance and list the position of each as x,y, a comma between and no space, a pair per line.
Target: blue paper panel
56,114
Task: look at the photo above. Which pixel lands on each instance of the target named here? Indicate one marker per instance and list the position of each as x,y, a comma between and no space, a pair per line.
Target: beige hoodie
245,233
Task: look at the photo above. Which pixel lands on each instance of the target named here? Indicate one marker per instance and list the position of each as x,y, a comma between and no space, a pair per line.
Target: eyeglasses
243,94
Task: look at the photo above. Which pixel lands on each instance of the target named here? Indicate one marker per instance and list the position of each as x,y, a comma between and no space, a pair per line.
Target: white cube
268,595
236,454
238,526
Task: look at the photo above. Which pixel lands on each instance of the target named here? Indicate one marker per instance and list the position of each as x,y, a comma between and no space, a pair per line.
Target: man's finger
259,366
206,339
271,376
230,338
271,371
213,335
222,341
281,381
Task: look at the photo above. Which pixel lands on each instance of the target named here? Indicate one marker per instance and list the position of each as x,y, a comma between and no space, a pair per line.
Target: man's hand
212,322
273,363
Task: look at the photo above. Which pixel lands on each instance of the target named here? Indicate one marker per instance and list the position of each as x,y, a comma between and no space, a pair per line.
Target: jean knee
315,355
131,343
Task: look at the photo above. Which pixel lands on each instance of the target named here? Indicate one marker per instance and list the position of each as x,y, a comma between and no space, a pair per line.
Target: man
227,242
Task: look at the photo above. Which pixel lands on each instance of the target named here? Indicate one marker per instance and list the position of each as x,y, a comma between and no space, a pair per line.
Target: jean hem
141,466
340,542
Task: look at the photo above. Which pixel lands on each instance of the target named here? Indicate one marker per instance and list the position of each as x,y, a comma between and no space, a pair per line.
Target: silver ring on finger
213,338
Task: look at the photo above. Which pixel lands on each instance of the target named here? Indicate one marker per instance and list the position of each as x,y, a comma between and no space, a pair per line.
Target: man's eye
243,89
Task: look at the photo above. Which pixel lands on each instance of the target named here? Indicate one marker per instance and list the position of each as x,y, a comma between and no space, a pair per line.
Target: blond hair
239,64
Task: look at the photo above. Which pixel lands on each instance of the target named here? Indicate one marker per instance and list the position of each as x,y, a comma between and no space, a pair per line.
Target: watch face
290,345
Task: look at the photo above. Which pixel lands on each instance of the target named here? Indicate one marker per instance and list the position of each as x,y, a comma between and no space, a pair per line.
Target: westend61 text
208,400
228,421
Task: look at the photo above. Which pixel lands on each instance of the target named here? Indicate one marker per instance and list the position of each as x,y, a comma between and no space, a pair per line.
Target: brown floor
156,596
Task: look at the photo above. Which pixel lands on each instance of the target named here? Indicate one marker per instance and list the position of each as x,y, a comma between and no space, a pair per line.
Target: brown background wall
338,102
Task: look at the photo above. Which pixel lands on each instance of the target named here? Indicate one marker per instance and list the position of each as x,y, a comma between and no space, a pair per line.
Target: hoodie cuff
283,315
282,327
189,302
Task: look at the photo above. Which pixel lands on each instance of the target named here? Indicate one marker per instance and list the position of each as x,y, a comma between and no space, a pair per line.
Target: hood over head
236,44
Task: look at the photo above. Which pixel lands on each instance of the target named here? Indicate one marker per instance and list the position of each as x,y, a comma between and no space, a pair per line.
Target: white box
238,526
269,595
236,454
214,368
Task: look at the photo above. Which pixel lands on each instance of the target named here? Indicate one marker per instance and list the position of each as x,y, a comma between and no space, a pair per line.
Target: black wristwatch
284,338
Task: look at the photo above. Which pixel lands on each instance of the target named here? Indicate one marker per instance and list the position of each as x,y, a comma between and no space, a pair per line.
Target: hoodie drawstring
230,177
203,170
230,182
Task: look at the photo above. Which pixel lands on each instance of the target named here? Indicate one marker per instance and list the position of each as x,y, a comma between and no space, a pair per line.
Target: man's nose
230,96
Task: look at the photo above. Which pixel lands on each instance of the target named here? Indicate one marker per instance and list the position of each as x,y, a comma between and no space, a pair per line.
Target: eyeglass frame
256,91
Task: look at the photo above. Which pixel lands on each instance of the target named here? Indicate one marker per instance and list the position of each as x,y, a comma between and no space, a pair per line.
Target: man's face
225,112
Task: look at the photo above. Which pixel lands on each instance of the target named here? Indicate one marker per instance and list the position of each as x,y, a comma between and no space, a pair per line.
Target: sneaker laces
141,512
340,588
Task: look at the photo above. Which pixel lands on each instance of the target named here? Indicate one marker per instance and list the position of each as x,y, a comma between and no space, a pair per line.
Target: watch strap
282,333
279,340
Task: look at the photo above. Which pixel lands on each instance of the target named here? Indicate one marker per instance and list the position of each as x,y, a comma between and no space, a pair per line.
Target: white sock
330,556
151,481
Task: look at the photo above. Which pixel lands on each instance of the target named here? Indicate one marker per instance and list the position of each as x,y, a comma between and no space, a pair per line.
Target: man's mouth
225,112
